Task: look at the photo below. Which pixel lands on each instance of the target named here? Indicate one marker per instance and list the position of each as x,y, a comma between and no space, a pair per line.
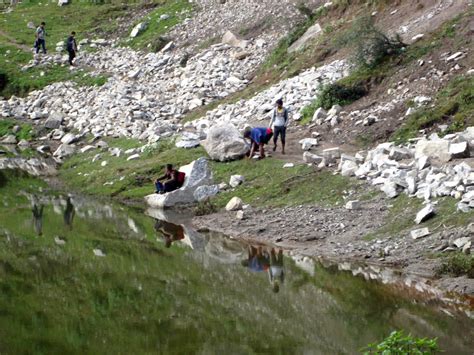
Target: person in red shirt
173,180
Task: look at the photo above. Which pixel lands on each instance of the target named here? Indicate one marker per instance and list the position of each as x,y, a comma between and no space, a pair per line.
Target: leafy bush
457,265
398,343
370,45
338,94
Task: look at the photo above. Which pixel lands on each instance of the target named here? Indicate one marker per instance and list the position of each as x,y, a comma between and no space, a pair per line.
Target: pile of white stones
425,168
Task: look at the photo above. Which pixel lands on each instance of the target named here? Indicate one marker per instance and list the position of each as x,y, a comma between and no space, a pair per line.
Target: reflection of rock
197,174
304,263
33,166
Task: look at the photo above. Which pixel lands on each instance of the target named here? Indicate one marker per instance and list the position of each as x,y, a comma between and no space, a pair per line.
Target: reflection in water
171,232
69,213
262,258
37,210
195,297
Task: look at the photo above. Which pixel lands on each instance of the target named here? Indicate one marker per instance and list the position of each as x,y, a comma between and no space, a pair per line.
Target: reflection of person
171,232
174,179
69,213
259,136
258,259
38,218
276,273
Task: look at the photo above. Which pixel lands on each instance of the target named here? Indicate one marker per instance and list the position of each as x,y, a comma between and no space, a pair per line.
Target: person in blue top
259,136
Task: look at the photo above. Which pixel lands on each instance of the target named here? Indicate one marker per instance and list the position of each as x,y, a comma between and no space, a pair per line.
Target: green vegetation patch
454,106
175,11
402,214
397,343
25,132
458,264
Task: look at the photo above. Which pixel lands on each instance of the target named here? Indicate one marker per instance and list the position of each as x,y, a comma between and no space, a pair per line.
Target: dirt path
13,42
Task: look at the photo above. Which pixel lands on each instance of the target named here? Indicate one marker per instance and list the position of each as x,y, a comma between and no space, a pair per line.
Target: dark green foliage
370,45
204,208
397,343
457,265
338,94
25,132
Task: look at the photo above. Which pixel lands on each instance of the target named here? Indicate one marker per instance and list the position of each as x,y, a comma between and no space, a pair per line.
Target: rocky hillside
379,92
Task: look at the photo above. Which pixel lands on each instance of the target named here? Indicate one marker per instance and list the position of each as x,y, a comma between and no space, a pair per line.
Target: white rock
353,205
425,213
289,165
138,29
98,252
438,149
236,180
234,204
204,192
459,150
420,233
133,157
460,242
224,142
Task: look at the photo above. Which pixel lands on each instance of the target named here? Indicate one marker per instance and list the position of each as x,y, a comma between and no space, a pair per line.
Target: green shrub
370,46
338,94
398,343
457,265
204,208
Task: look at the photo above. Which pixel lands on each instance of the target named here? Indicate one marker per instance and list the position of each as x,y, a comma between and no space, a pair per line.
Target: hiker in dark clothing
71,47
279,122
173,180
40,38
259,136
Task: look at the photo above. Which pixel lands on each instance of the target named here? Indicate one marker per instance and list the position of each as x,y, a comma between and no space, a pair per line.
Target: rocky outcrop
33,166
224,142
197,174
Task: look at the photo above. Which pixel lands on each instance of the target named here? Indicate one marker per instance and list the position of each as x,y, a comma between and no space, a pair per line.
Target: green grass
454,105
458,264
400,220
267,183
176,9
25,132
87,18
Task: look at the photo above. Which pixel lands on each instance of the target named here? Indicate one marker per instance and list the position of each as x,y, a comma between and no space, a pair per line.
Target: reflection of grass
64,299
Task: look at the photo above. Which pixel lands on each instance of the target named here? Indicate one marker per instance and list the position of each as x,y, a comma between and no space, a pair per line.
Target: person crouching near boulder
259,136
173,180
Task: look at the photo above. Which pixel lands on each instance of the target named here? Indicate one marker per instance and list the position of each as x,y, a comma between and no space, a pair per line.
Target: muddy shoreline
340,240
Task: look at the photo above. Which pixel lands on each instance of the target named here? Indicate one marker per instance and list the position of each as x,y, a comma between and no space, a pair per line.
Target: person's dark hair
169,166
247,132
42,23
279,102
73,33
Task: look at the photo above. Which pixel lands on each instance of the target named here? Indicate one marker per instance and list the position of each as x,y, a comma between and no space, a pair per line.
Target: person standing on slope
40,38
71,47
279,122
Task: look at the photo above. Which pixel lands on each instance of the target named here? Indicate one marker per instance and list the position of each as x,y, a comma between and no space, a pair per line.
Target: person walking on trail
259,136
279,122
71,47
40,38
173,180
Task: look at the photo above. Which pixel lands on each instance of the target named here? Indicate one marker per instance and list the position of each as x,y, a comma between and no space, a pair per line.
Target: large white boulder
224,142
311,33
197,173
435,149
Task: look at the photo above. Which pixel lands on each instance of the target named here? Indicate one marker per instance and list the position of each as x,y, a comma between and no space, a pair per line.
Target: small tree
398,343
370,45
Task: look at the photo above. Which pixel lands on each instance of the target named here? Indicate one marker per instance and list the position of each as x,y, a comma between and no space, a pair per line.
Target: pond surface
78,275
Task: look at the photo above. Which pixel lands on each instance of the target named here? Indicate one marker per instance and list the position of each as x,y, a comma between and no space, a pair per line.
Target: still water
85,276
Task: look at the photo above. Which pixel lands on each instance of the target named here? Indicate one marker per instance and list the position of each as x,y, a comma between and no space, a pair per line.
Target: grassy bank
267,182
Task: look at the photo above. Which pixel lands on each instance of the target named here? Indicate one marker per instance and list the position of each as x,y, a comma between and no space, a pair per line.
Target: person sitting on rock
279,122
174,180
259,136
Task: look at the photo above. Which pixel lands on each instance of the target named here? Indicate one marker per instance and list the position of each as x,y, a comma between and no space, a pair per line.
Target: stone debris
427,212
99,253
420,233
234,204
236,180
353,205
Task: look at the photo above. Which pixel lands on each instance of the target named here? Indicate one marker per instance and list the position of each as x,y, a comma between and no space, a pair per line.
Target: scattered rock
427,212
420,233
234,204
236,180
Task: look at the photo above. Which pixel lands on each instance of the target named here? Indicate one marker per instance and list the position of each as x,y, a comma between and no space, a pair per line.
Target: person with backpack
174,179
71,47
259,136
40,38
279,122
